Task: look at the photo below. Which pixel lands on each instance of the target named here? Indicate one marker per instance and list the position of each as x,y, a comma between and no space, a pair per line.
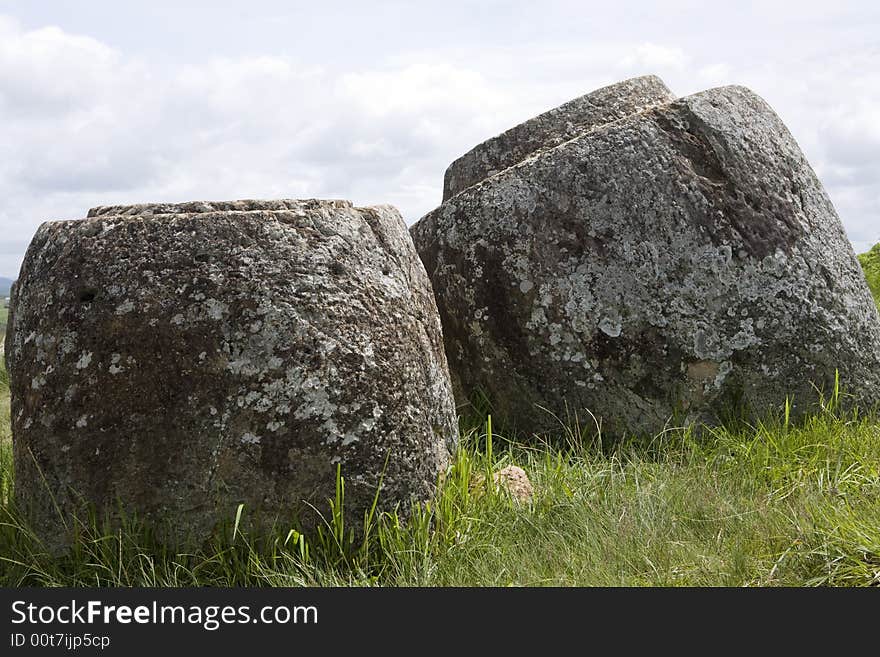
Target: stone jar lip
474,191
552,127
204,207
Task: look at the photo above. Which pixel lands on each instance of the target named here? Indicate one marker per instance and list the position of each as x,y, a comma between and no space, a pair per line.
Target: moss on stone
871,264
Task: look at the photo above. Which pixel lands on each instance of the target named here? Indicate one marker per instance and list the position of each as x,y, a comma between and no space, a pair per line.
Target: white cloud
118,130
425,88
651,56
84,123
46,70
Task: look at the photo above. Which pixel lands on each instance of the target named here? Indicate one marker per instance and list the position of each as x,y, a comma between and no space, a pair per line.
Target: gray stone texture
179,360
670,267
551,128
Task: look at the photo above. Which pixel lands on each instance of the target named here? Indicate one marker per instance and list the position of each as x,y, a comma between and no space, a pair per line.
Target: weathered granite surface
553,127
670,267
178,360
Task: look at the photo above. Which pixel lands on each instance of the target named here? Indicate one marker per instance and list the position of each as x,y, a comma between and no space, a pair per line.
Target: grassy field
871,264
770,505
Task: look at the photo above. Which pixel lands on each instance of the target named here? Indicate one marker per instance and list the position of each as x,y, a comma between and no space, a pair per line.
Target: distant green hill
871,264
5,284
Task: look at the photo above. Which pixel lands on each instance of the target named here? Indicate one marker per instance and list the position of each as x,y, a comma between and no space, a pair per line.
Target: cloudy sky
105,102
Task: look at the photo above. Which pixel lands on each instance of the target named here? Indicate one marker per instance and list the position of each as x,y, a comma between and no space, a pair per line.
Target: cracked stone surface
553,127
183,359
669,267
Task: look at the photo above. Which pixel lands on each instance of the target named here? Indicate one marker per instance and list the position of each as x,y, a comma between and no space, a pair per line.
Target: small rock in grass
512,479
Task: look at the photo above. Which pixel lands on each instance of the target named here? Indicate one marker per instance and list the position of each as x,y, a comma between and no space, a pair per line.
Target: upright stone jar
175,361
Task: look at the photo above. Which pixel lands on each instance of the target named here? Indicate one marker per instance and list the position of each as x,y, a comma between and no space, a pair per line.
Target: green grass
871,264
771,505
